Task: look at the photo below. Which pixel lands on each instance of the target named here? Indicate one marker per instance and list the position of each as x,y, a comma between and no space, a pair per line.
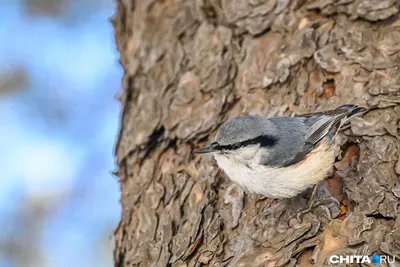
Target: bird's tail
348,112
351,110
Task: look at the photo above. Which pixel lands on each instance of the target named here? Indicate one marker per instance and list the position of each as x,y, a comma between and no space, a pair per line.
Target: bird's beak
212,148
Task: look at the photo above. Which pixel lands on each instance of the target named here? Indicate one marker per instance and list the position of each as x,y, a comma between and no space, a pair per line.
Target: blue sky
58,133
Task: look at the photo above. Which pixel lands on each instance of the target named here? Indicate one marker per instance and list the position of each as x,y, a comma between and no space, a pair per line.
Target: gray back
292,137
244,128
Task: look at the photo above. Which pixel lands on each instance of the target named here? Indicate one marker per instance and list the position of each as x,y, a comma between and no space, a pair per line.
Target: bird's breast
279,182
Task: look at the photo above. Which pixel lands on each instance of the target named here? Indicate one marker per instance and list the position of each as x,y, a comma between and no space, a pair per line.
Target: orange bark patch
309,93
382,75
315,77
343,210
195,245
328,88
335,187
196,194
220,174
350,152
336,190
305,259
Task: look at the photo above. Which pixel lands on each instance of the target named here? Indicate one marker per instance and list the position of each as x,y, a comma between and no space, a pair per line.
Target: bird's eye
236,146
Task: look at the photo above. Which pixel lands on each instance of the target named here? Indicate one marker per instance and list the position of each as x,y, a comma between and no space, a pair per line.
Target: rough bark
190,65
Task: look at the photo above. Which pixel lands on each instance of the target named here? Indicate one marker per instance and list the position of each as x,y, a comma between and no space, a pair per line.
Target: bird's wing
321,124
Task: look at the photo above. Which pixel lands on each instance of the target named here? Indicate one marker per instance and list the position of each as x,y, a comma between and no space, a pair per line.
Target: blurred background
59,117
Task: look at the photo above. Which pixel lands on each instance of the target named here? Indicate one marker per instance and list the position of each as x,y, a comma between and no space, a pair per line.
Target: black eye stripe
264,141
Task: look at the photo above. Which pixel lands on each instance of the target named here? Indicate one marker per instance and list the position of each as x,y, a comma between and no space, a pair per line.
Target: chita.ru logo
375,259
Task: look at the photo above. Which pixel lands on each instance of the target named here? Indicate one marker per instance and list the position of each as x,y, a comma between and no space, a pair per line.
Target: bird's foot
314,203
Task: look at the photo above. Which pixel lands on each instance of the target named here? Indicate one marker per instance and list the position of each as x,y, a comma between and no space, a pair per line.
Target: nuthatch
279,157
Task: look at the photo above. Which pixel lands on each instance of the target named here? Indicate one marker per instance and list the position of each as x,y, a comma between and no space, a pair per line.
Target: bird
279,157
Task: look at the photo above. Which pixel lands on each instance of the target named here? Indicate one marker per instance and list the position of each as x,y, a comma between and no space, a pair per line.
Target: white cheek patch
248,153
261,156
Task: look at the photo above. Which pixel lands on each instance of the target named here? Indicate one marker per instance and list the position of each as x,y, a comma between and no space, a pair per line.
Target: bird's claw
312,204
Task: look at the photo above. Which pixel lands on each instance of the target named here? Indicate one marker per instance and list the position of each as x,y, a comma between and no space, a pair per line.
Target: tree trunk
190,65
